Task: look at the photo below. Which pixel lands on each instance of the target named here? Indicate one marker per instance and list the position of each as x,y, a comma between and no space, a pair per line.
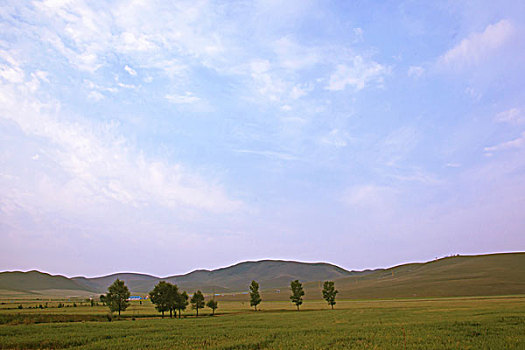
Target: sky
162,137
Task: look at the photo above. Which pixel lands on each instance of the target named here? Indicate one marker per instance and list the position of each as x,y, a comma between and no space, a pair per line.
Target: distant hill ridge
235,278
492,274
35,280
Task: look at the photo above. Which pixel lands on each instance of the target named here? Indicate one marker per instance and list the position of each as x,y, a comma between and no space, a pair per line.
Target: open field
443,323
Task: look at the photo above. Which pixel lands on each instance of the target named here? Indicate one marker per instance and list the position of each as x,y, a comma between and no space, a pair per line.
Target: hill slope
34,280
494,274
236,278
134,281
269,274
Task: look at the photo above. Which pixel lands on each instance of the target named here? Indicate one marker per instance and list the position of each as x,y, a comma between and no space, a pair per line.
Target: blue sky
160,138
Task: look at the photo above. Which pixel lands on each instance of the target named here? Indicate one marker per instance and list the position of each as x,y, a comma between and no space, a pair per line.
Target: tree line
167,297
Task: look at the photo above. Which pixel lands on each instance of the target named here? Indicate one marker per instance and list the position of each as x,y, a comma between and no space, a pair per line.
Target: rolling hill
493,274
31,281
270,273
134,281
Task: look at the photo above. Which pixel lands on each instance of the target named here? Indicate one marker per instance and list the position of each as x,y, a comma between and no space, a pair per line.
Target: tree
329,293
181,302
117,296
212,304
197,301
163,297
103,299
297,293
174,296
255,297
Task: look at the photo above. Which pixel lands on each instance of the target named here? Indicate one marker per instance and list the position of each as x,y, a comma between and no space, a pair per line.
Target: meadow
432,323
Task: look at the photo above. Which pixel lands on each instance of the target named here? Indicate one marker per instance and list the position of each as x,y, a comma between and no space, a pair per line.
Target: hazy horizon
164,138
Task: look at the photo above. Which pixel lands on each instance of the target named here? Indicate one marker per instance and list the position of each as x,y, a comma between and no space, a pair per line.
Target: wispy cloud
94,161
415,71
267,82
415,175
512,116
479,45
10,70
293,56
95,96
130,70
268,154
187,98
357,74
397,145
369,196
336,138
358,35
516,143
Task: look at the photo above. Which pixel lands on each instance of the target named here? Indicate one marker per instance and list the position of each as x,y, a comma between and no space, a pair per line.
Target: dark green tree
181,302
255,297
174,296
103,299
213,305
117,296
297,293
197,301
329,293
162,296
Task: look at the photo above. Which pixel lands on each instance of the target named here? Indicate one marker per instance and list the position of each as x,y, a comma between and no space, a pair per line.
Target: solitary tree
117,296
103,299
297,293
162,297
255,297
197,301
212,304
181,302
329,293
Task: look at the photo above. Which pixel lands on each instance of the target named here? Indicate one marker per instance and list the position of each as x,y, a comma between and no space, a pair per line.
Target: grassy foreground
466,323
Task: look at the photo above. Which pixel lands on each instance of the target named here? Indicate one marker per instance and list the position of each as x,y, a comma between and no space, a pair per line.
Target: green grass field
440,323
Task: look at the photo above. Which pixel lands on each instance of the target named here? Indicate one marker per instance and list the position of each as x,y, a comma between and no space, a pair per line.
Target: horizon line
262,260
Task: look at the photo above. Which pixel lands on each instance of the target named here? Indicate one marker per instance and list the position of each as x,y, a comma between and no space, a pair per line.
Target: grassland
433,323
494,274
